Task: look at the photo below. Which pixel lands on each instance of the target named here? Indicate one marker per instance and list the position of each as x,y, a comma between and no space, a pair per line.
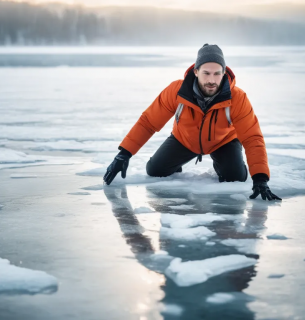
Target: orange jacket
202,132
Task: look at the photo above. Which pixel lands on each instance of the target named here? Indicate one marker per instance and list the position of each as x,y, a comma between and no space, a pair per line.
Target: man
212,116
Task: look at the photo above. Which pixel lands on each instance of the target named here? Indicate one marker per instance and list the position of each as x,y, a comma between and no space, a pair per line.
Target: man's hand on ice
260,187
120,163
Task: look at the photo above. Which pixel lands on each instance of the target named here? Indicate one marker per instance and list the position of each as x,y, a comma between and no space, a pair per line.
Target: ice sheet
193,272
16,280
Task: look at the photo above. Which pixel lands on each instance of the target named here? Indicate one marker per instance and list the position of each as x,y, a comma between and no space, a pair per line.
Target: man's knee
153,170
158,171
230,175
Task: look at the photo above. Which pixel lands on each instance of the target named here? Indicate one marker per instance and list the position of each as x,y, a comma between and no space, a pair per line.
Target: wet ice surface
113,246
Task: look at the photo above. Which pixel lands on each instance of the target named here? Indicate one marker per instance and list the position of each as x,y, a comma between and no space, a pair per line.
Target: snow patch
193,272
16,280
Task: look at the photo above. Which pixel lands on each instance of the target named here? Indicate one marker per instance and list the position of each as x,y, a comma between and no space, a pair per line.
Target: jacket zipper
202,122
216,115
212,116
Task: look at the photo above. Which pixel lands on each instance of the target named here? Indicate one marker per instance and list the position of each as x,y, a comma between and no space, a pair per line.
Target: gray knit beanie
210,53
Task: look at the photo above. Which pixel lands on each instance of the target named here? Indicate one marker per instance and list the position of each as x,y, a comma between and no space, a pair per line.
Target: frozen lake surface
182,247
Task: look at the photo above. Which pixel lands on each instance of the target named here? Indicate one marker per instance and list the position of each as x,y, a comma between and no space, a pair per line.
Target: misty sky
213,5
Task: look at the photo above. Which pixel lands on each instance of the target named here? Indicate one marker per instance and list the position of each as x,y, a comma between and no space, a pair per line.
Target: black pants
172,155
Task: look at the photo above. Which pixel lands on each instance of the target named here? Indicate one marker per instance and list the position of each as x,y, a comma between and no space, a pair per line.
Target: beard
208,89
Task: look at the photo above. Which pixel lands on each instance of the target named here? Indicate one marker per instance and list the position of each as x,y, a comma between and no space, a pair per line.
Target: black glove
120,163
260,186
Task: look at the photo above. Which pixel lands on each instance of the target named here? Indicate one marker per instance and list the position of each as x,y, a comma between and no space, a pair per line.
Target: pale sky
203,5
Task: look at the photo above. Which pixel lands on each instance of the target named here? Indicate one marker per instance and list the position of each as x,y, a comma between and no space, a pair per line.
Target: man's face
209,77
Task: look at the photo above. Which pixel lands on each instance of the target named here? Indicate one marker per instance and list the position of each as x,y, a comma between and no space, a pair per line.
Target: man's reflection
193,299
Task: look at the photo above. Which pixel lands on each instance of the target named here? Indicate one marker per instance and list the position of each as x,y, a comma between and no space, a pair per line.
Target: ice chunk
13,159
79,193
171,201
220,298
23,176
210,243
13,156
249,246
161,252
276,236
187,221
97,172
16,280
172,309
161,255
143,210
193,272
238,197
183,207
276,276
186,234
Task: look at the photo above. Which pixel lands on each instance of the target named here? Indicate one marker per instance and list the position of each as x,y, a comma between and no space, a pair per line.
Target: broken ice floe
197,233
193,272
249,246
189,220
16,280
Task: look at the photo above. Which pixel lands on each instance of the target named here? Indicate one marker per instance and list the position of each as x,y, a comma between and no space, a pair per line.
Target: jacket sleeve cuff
124,152
260,177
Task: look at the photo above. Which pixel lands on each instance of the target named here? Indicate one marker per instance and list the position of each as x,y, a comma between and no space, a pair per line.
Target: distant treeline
54,24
